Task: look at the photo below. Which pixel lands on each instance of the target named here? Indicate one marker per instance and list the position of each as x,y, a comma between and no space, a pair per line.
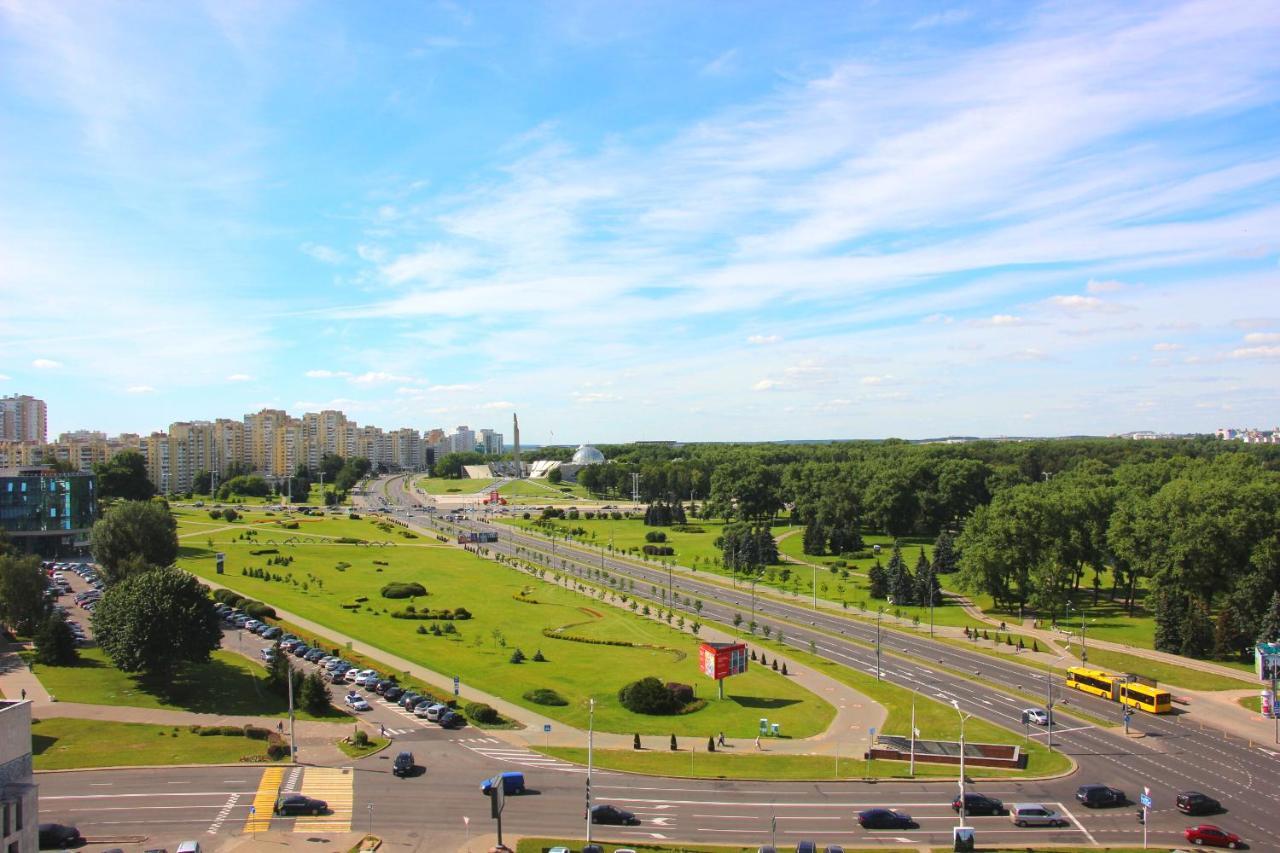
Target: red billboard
720,660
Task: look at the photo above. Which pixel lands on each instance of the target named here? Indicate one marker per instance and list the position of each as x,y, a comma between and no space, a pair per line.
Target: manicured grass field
228,684
316,585
63,743
1165,673
443,486
627,535
352,751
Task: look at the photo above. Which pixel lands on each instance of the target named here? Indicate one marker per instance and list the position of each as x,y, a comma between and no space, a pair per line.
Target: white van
1036,814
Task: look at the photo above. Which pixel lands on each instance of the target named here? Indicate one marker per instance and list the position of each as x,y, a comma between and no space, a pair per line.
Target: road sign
546,727
455,685
1145,800
252,810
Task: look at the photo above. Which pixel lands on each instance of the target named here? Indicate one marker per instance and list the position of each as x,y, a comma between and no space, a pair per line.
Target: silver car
1036,814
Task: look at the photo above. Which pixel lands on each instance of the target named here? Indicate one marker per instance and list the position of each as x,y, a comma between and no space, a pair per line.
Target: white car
423,710
251,624
350,675
365,676
1039,716
356,702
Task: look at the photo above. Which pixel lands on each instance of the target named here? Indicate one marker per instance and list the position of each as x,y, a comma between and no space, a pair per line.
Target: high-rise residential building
155,452
260,438
491,441
23,418
463,440
19,801
407,450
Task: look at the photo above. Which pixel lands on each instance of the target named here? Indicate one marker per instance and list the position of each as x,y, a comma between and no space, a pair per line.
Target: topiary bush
482,713
648,696
258,610
403,590
546,696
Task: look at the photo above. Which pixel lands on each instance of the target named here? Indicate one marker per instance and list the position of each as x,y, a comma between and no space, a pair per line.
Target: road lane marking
222,815
1074,820
334,785
264,800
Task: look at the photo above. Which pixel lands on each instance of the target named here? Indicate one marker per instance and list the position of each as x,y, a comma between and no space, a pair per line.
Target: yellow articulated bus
1131,690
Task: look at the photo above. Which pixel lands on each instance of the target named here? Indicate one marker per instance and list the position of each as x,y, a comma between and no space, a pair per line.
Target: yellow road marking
264,801
337,788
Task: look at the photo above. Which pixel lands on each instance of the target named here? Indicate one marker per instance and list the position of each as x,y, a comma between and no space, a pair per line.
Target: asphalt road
212,804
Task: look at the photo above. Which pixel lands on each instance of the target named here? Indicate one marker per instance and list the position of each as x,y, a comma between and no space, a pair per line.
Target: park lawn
627,534
544,489
64,743
658,760
352,751
1251,703
228,684
1166,673
316,585
193,523
448,486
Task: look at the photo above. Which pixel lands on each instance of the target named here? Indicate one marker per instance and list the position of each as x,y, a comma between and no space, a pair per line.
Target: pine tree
944,554
315,694
1230,640
1269,629
1169,607
814,539
1197,629
928,591
878,581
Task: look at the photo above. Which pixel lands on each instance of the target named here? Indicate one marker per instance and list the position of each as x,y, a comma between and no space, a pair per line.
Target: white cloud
1164,346
722,64
449,389
498,404
594,397
140,389
1104,286
1256,322
46,364
323,254
1002,320
4,378
1029,354
239,377
327,374
938,318
766,385
378,377
763,340
1262,338
874,380
1077,303
1256,352
943,19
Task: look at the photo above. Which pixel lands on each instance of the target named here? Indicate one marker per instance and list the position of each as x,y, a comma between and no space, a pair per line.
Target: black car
403,765
408,700
298,804
300,650
393,694
979,804
1098,796
612,814
885,819
382,685
56,836
451,720
806,847
1194,802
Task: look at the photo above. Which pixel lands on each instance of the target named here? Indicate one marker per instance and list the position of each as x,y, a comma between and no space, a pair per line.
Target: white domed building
587,455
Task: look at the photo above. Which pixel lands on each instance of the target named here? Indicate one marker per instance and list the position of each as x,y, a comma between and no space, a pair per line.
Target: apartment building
23,418
19,794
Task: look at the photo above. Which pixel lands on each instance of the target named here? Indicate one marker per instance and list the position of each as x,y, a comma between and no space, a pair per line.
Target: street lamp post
591,729
963,718
879,612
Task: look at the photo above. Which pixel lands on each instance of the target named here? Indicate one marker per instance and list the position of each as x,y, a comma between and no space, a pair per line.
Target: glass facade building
47,513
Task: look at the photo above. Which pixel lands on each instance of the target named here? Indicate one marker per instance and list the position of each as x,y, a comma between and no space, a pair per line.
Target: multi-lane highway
213,804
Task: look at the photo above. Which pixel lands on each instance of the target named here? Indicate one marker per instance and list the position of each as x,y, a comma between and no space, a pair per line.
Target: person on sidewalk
757,741
382,730
24,694
720,740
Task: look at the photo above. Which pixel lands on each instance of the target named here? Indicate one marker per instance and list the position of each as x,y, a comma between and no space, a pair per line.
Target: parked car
268,654
403,765
833,848
452,720
1099,796
271,633
979,804
806,847
351,675
188,847
605,813
1207,833
314,655
300,651
250,624
1194,802
365,675
409,700
393,693
422,711
885,819
382,684
293,804
1036,814
433,711
58,836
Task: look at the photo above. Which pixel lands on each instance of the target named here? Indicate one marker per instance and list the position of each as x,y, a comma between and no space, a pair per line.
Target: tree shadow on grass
761,703
217,687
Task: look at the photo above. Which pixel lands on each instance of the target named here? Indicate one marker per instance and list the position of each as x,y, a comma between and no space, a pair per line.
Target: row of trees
900,585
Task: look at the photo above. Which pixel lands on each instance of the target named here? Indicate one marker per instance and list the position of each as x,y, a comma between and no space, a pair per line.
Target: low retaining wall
948,752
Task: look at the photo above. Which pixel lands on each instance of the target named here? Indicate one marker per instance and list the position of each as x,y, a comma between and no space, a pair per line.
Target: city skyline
638,223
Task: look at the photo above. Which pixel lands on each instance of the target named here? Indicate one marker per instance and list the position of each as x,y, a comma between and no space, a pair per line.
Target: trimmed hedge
399,589
546,696
258,610
458,613
555,635
482,713
659,550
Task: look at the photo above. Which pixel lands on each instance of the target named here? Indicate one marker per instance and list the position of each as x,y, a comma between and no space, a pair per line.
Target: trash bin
962,839
776,729
764,726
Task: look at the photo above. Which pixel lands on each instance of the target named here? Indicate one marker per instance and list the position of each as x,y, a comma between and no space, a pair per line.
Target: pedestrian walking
382,729
757,741
24,694
720,740
280,726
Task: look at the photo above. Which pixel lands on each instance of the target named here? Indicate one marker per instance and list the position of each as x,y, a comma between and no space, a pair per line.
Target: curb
175,766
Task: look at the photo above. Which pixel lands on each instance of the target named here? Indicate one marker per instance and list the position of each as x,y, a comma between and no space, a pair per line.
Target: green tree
944,554
133,530
22,584
124,476
1230,639
878,581
1197,629
1269,628
155,622
202,483
54,642
1169,607
554,477
315,694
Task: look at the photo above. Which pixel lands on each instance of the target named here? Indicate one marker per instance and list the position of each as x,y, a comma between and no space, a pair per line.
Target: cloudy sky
644,220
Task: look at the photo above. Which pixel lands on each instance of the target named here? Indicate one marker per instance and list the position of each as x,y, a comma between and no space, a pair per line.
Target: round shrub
403,590
546,696
258,610
655,536
482,713
648,696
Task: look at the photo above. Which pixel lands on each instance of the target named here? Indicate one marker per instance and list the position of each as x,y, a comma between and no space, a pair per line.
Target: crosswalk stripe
334,785
264,801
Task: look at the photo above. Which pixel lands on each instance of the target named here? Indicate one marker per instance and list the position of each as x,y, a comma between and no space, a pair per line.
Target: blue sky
645,220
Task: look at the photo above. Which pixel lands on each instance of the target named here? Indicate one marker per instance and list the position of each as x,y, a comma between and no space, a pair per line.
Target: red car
1207,833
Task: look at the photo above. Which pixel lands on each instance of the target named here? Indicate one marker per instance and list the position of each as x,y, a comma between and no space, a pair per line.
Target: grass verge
63,743
352,750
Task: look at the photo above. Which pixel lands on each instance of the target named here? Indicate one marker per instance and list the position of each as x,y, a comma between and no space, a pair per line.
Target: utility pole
879,611
293,744
963,718
1048,703
591,728
815,586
